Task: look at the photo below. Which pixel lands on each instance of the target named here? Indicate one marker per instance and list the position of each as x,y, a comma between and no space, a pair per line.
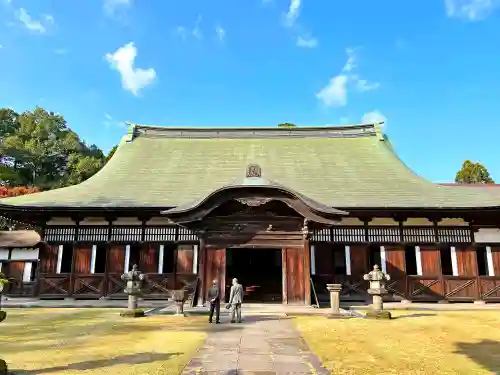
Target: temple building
285,210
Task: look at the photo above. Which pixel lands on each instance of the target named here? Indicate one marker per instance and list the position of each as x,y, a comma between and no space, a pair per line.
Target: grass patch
97,341
426,343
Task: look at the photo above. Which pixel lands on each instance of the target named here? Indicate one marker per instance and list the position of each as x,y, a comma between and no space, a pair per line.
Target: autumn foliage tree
473,173
6,192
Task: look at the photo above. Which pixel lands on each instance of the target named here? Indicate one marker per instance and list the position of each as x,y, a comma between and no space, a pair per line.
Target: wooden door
215,268
396,268
466,261
465,285
429,285
323,254
148,258
48,259
14,274
359,260
115,269
294,277
185,259
83,255
116,258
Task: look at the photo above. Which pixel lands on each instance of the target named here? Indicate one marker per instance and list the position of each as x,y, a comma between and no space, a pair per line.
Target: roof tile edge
348,131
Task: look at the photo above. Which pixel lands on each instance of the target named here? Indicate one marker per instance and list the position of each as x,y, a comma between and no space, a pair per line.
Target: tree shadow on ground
485,353
133,359
417,315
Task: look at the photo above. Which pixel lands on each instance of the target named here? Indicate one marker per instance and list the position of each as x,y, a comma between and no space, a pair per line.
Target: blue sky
429,67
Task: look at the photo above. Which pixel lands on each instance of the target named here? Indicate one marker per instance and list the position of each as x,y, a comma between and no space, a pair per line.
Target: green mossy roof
343,167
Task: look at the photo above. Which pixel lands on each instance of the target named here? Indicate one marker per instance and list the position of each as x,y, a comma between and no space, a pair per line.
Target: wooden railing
417,288
94,286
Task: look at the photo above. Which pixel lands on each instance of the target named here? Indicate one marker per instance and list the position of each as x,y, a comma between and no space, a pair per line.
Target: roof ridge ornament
378,130
131,131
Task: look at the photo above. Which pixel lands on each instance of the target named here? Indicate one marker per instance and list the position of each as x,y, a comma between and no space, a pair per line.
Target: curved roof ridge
344,131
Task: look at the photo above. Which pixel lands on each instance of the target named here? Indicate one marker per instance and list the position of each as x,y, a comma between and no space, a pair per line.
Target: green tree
473,173
287,125
111,153
40,150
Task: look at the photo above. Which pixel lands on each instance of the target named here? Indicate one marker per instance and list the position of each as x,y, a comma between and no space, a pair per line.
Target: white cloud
109,121
133,79
220,31
350,64
293,12
363,85
111,6
471,10
39,26
307,42
373,117
60,51
196,31
334,94
183,32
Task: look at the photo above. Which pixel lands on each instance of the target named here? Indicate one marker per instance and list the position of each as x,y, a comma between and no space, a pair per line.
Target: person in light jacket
235,301
214,297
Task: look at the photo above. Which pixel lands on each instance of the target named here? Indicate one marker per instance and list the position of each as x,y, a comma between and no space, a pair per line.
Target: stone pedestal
132,302
479,302
334,290
179,297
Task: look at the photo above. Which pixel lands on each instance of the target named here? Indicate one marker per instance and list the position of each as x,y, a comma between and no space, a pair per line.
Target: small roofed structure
19,257
19,238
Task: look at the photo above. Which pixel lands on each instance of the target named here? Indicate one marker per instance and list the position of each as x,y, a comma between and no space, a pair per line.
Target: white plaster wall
4,254
487,235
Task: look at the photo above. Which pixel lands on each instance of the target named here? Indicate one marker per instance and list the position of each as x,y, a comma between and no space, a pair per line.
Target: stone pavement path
261,345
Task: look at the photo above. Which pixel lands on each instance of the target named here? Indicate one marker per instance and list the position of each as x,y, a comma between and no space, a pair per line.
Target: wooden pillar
202,270
284,275
307,272
105,282
72,273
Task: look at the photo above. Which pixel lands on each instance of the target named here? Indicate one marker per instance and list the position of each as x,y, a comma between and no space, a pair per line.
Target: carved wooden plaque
253,170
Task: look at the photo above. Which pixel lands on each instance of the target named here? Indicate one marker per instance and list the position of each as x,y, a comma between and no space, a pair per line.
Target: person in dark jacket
214,299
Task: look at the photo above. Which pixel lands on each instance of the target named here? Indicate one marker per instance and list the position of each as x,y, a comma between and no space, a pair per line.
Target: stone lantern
134,279
377,279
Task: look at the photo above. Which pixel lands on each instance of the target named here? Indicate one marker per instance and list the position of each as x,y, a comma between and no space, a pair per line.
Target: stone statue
134,279
377,279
